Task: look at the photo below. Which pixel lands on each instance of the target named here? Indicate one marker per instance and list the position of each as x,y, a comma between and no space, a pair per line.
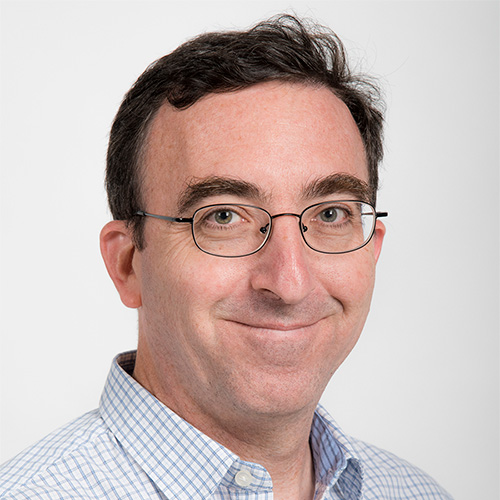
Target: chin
286,392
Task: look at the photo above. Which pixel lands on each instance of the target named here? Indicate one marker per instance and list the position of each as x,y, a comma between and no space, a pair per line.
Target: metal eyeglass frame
264,230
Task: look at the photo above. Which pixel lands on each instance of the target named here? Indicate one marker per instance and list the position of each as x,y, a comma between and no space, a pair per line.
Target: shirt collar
185,463
336,460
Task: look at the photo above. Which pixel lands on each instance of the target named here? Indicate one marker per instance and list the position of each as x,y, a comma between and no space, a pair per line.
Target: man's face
232,338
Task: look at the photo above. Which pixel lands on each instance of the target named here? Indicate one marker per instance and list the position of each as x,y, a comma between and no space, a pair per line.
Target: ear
378,238
121,256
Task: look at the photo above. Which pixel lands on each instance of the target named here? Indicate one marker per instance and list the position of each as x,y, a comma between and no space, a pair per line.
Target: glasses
238,230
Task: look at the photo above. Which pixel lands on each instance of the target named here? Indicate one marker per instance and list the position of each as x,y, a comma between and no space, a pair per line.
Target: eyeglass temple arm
141,213
381,214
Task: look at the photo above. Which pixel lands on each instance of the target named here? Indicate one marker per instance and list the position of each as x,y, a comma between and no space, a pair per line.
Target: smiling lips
277,326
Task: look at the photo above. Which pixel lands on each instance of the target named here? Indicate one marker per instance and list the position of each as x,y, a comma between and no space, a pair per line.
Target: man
242,177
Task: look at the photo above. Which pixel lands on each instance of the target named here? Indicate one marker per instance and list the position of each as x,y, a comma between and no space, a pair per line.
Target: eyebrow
199,189
336,183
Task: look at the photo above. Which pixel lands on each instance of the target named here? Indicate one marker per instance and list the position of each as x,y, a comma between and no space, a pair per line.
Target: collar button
243,478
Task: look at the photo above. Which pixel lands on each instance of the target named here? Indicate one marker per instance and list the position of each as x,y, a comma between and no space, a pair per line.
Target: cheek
350,278
181,287
186,283
208,279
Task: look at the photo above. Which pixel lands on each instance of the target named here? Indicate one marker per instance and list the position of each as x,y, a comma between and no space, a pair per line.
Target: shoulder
387,476
56,461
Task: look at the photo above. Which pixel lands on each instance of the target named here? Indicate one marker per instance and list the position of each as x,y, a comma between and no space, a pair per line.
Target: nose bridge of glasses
265,228
285,213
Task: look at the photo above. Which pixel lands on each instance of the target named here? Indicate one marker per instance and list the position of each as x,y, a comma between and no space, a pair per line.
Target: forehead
278,136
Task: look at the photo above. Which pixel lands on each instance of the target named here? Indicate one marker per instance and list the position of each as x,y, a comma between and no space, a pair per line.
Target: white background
423,380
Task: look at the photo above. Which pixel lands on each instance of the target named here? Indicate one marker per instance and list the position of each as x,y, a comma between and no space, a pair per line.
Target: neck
280,443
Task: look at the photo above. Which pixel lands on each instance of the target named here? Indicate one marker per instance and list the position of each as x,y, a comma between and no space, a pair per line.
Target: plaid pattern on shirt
133,447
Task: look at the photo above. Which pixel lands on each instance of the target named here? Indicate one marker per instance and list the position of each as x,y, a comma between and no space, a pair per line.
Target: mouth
275,326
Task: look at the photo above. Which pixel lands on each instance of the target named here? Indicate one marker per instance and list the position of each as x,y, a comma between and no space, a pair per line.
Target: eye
333,214
223,217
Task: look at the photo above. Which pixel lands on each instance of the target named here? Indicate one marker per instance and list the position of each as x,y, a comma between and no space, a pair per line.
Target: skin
243,348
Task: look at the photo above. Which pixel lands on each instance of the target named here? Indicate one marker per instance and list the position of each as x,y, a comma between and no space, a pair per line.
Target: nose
283,268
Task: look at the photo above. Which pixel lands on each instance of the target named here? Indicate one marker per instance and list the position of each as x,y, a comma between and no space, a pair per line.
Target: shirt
134,447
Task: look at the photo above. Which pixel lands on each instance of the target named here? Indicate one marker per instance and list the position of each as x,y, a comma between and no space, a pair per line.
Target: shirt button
243,478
